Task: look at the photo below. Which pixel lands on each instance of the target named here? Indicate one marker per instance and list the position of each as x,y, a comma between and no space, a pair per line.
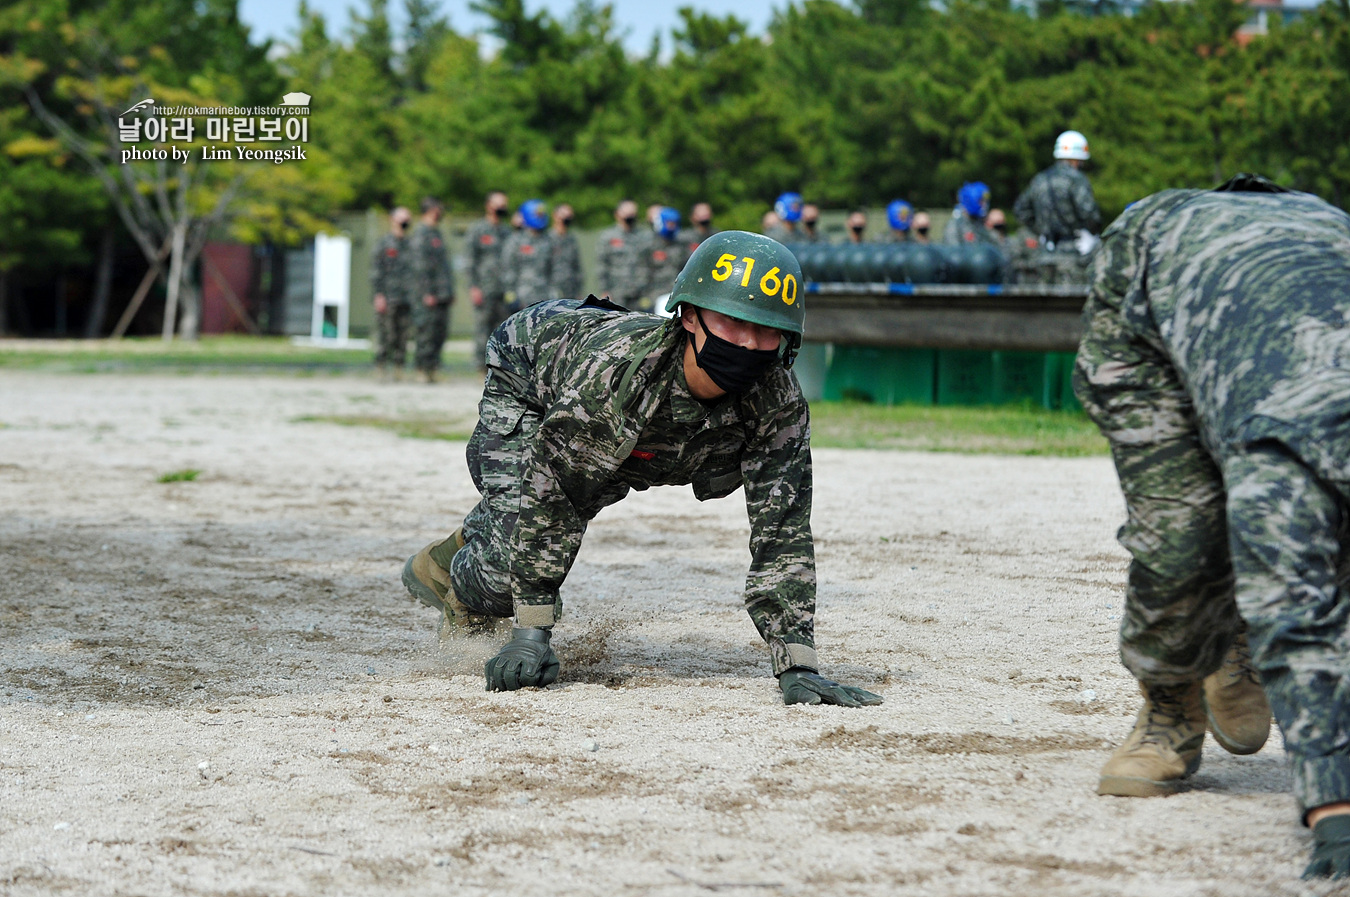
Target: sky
278,19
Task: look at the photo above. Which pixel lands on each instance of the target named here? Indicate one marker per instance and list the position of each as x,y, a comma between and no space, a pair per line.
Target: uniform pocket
500,414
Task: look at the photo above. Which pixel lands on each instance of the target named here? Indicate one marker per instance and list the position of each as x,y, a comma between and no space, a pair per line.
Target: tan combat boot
1164,747
427,376
429,583
1235,702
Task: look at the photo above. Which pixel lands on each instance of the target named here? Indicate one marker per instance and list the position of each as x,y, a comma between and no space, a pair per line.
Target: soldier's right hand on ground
802,686
526,661
1331,849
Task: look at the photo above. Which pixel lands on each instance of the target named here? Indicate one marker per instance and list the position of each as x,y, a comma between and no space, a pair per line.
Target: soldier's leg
400,327
424,325
486,319
1287,530
440,326
383,337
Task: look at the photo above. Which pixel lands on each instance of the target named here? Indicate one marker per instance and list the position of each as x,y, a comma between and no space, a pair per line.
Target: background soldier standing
391,278
566,256
619,270
706,400
1214,360
700,229
663,258
899,217
527,259
483,249
967,224
788,209
434,286
1058,207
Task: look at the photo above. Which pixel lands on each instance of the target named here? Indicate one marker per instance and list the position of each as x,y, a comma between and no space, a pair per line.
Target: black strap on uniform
593,301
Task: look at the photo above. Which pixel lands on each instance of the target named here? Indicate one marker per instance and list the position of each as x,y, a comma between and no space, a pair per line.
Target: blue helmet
788,207
667,222
899,213
534,213
974,198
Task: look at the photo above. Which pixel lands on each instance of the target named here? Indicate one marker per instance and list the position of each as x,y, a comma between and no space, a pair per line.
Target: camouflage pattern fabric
962,230
582,405
891,235
391,274
483,244
1057,204
432,277
1214,360
664,260
692,236
619,269
566,267
527,265
785,235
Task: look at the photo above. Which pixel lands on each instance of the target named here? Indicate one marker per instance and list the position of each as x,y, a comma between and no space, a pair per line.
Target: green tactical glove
802,686
524,662
1331,849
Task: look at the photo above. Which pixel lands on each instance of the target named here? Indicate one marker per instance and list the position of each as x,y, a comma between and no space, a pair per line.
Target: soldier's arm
423,273
1025,211
377,272
471,250
604,256
780,588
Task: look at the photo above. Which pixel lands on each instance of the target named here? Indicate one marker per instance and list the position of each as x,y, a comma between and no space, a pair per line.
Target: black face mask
566,220
733,368
921,231
858,230
809,225
630,221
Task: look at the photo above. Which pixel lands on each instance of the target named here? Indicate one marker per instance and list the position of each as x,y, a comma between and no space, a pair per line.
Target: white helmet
1071,145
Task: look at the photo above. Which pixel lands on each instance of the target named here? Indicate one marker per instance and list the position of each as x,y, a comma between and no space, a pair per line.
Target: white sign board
332,286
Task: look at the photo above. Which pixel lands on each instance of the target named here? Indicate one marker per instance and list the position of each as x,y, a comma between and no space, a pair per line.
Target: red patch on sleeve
391,252
616,242
659,255
642,456
436,242
487,239
527,249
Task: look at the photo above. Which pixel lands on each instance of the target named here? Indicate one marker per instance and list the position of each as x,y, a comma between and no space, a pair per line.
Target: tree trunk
4,302
93,326
190,299
175,278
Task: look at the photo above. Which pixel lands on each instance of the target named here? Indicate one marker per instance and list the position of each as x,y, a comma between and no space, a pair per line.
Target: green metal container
885,376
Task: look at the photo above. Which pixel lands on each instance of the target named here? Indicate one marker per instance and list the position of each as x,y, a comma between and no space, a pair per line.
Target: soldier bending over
1216,360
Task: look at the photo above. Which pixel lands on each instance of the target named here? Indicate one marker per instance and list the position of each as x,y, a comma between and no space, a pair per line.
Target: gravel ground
220,687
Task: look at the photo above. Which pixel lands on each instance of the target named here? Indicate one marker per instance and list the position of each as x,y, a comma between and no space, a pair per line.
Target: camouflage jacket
483,246
962,230
566,267
391,271
616,415
664,260
527,265
785,235
1246,293
692,236
618,261
1057,204
431,265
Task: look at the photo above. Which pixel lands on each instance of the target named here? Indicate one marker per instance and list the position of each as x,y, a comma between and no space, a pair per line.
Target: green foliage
187,475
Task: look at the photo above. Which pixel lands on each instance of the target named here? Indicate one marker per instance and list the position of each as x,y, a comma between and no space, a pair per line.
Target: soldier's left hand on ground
801,686
526,661
1331,849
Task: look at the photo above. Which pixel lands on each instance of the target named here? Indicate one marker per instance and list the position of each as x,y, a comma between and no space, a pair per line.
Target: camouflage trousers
432,323
481,570
487,318
391,335
1260,540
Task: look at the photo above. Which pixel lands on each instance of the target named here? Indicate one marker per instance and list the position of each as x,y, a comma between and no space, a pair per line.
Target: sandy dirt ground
220,687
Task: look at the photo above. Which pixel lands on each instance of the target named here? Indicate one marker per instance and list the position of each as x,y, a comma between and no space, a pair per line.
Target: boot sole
420,590
1232,746
1135,786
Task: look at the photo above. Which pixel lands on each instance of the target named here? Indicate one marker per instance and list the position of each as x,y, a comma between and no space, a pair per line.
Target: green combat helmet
749,277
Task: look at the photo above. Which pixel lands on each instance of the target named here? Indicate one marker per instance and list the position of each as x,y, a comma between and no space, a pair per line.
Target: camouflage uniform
527,269
895,236
483,248
1056,205
391,274
963,230
1214,359
663,260
784,235
692,236
619,268
584,404
566,267
431,277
